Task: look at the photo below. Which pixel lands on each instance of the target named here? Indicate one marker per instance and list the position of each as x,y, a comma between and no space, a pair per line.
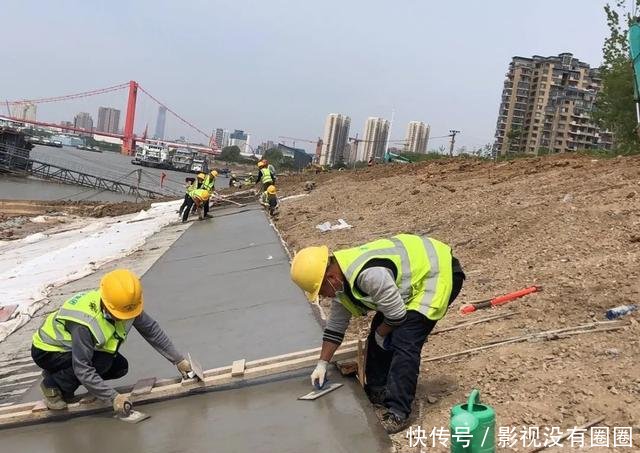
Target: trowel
321,391
132,416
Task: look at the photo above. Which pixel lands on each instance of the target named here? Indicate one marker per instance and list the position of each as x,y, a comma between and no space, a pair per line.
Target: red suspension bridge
128,136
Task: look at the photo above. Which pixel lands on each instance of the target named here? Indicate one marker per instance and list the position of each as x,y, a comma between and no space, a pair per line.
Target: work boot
53,397
376,395
208,216
394,423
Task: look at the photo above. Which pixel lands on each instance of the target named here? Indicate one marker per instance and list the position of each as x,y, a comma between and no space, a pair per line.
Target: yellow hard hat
271,190
308,268
201,175
261,164
203,195
121,293
214,173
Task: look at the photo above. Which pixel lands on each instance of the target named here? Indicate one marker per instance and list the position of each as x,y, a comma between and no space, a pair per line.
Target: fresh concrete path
223,292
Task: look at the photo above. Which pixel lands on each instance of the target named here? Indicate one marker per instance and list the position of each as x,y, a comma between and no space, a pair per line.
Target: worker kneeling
79,343
410,281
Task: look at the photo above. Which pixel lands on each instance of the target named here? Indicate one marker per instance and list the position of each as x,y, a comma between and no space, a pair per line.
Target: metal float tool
321,391
132,416
197,369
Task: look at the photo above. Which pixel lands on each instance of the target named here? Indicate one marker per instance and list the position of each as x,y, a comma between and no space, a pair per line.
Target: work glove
383,342
184,367
319,375
121,404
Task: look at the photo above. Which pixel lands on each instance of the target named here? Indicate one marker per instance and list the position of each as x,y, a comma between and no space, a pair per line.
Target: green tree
274,156
615,108
230,154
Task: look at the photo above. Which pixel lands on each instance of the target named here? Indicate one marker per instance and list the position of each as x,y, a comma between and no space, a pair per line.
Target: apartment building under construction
546,107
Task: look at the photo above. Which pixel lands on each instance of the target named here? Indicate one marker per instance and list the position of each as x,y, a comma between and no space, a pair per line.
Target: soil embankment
568,223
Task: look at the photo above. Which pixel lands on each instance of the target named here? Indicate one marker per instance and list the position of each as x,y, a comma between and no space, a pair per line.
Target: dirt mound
568,223
17,216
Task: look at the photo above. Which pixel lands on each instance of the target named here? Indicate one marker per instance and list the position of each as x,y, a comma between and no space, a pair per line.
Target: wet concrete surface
261,418
223,292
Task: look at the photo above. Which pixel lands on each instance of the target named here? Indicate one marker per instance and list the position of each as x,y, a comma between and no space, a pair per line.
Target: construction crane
300,140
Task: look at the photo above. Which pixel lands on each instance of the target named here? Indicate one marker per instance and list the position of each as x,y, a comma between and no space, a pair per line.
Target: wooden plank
360,356
39,407
143,386
174,388
237,368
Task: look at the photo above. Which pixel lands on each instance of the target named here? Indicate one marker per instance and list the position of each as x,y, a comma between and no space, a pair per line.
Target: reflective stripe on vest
83,309
266,176
424,275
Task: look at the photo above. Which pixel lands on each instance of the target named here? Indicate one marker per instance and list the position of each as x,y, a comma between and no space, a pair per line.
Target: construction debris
496,301
541,336
326,226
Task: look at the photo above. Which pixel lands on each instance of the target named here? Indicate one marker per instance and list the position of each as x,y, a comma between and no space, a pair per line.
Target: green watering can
479,420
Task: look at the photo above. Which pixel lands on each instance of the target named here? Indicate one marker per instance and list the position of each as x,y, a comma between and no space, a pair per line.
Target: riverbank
31,266
21,218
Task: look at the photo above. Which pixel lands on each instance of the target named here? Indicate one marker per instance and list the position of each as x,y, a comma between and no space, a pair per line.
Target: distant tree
274,156
615,108
230,154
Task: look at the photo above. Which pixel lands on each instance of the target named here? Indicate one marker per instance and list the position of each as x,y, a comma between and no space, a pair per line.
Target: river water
106,164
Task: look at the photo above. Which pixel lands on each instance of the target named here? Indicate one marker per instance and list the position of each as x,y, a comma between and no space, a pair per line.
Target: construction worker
78,344
209,184
190,185
265,177
198,198
410,281
271,168
270,199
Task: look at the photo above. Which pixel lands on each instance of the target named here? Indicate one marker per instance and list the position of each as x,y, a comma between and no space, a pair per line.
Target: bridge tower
129,140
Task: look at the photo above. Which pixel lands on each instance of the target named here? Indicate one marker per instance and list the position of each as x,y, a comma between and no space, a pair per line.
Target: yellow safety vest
209,183
424,274
266,176
84,309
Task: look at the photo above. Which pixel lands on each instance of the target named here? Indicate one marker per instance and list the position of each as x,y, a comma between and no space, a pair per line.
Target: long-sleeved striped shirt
83,346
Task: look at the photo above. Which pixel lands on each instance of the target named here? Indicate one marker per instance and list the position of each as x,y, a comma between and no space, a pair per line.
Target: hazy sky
278,67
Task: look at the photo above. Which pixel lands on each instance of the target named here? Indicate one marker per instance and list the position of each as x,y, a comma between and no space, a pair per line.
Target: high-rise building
240,139
108,120
376,133
84,121
222,137
417,137
161,121
546,106
336,137
24,111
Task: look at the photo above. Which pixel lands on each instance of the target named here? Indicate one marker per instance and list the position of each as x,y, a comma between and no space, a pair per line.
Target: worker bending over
198,198
209,184
190,185
410,281
78,344
270,200
265,176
